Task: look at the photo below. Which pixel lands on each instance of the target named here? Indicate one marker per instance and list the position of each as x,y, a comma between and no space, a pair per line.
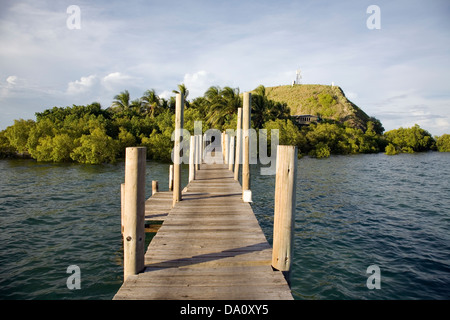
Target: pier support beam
171,177
246,116
192,158
199,151
134,211
155,187
231,153
285,203
179,111
122,204
226,147
237,160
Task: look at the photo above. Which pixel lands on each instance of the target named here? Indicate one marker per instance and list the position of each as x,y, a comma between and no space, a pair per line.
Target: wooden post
226,147
231,154
192,159
122,204
171,177
134,211
246,115
203,147
285,203
179,110
155,187
237,160
223,146
196,153
199,151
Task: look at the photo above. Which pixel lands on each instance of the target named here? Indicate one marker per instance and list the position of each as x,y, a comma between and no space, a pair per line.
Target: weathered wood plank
157,207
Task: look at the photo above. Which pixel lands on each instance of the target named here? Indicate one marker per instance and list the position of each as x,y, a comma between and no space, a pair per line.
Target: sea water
352,212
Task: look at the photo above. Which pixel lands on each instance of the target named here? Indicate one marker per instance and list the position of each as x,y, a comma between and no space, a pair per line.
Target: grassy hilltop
326,101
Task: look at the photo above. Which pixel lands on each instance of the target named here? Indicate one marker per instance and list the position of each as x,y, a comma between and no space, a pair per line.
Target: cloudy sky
399,73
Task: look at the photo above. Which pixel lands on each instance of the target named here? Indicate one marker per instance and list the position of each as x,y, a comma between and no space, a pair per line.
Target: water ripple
356,211
352,212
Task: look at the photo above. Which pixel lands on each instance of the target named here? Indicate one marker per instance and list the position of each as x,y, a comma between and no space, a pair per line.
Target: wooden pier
210,246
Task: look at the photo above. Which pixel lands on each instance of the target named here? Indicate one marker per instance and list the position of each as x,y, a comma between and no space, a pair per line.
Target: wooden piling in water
246,115
179,111
223,146
122,204
134,211
155,187
192,159
231,154
199,152
203,140
226,147
285,203
171,177
238,152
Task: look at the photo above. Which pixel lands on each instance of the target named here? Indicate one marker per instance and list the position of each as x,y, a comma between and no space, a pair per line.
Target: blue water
352,212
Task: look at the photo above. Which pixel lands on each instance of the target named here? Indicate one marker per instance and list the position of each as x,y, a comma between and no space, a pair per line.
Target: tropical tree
121,102
150,103
223,103
414,139
264,109
201,104
443,143
18,133
95,148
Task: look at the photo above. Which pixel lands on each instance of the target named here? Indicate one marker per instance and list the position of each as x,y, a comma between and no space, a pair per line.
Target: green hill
326,101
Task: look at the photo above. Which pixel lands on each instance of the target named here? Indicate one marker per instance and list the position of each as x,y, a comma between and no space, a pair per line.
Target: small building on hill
306,119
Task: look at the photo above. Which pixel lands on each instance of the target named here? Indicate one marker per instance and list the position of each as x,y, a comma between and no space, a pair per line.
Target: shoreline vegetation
93,135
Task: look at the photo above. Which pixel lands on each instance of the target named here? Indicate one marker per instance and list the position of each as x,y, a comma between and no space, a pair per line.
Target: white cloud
116,81
197,83
12,80
11,86
166,94
82,85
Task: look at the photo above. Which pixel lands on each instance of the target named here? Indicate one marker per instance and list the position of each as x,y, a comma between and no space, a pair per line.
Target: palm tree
135,105
201,104
151,103
264,109
260,106
223,103
121,102
261,90
232,99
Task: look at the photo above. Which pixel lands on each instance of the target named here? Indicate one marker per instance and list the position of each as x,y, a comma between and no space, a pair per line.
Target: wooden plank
157,207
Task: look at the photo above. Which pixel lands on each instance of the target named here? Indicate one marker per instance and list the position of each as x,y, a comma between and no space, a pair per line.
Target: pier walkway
210,246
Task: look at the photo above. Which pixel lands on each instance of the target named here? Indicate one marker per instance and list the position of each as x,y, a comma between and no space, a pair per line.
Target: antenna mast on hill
298,77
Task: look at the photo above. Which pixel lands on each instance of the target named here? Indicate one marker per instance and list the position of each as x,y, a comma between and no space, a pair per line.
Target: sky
398,72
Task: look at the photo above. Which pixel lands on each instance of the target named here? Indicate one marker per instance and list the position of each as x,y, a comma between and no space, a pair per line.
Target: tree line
93,135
